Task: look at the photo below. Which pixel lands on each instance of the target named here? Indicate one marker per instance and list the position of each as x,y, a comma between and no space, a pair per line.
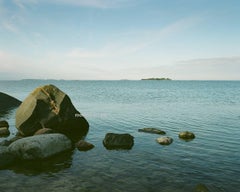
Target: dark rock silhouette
8,102
118,141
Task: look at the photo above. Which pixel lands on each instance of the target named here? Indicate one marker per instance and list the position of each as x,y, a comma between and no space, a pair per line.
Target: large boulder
118,141
8,102
6,157
40,146
48,106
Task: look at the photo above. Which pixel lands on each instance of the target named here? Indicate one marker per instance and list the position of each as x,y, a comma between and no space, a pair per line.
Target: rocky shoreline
49,124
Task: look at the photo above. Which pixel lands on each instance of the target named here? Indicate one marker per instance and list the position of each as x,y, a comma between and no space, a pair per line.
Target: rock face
84,145
6,157
44,131
186,135
164,140
8,102
152,130
118,141
48,106
40,146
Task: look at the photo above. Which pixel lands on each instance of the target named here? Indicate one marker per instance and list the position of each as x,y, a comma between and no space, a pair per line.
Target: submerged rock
164,140
8,102
84,145
48,106
152,130
186,135
201,188
118,141
6,157
40,146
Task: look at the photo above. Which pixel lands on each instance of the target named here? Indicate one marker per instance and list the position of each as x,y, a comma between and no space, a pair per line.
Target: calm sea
210,109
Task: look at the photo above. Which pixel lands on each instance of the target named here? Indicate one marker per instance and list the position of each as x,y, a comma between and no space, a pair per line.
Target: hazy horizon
119,39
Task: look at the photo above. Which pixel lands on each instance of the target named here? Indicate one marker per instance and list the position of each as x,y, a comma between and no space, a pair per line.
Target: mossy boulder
48,106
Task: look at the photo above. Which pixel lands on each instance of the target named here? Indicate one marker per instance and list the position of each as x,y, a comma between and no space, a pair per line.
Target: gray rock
6,157
48,106
40,146
84,145
164,140
8,102
186,135
118,141
152,130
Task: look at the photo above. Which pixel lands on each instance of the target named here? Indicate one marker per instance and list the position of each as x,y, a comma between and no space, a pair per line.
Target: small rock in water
84,145
152,130
118,141
4,124
186,135
164,140
4,132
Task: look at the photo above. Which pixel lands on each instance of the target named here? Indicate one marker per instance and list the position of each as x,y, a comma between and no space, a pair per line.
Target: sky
120,39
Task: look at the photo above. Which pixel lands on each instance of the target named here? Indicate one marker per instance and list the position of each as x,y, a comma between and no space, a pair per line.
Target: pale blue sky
120,39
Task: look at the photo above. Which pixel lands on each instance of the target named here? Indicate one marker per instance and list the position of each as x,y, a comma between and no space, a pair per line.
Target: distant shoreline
158,79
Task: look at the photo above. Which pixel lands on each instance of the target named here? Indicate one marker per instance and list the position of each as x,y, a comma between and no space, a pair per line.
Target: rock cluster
47,124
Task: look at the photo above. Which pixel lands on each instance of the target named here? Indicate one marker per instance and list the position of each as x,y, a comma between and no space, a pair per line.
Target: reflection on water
51,165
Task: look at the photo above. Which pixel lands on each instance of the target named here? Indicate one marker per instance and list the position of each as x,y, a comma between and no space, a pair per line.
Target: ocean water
210,109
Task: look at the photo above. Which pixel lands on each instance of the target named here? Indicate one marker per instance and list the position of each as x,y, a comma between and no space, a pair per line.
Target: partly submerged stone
152,130
6,157
4,132
8,102
48,106
201,188
84,145
40,146
118,141
164,140
4,124
186,135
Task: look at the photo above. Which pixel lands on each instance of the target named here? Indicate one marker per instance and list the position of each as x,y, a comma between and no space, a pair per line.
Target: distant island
157,79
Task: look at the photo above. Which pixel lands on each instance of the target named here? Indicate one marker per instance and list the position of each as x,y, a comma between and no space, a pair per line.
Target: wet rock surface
118,141
152,130
164,140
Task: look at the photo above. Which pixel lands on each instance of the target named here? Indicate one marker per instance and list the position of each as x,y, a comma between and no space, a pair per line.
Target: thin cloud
135,42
